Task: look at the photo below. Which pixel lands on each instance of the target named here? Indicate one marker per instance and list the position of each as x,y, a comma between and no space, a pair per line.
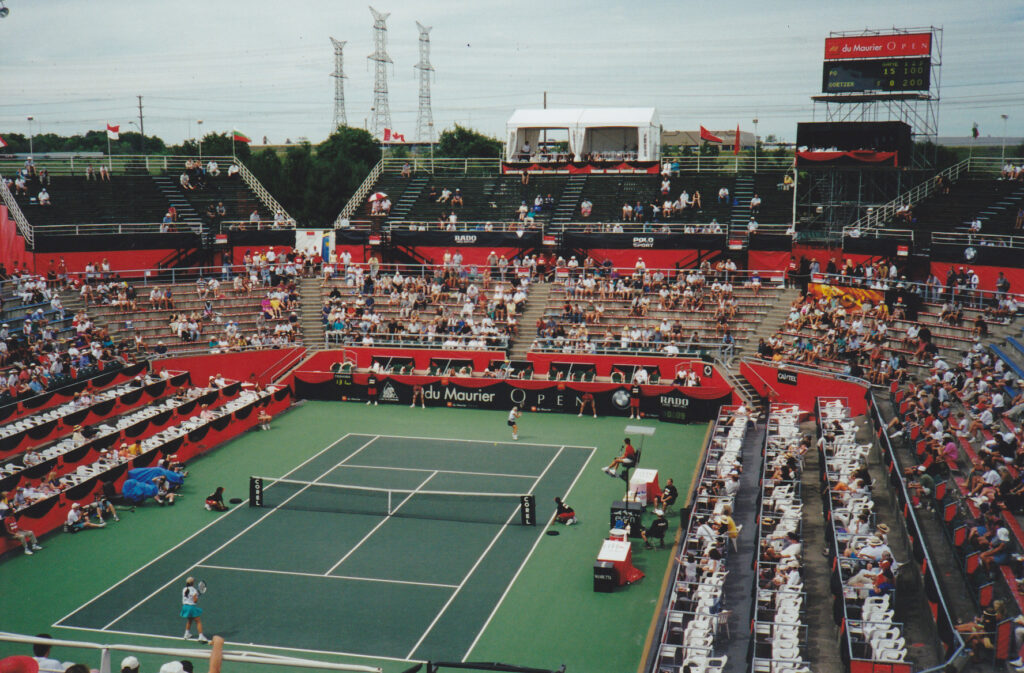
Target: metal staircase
536,303
170,190
743,192
565,211
310,311
400,211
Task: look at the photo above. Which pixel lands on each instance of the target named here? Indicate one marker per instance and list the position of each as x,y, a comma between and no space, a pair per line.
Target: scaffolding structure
380,113
830,197
340,117
424,116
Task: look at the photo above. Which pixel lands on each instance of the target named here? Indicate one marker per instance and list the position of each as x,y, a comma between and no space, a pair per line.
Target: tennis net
502,508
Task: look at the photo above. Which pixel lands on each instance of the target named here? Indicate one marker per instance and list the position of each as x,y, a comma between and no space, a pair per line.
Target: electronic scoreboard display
897,74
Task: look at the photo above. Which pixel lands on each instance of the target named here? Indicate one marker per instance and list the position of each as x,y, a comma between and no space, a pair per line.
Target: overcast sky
263,66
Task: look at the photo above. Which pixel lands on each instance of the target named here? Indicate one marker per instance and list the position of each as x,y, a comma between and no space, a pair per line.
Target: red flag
3,143
736,145
708,136
393,137
113,132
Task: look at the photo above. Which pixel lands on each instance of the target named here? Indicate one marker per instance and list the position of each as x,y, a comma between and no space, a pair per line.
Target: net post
255,492
528,510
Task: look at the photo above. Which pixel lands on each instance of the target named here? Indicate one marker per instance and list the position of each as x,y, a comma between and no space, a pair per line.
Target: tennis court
318,574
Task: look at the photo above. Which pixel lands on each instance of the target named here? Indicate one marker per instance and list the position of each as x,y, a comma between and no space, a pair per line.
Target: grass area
549,616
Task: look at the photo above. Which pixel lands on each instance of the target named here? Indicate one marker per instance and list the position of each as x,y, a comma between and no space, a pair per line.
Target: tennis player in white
512,416
190,611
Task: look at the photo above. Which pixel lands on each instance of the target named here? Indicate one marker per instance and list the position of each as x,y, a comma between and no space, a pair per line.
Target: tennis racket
201,586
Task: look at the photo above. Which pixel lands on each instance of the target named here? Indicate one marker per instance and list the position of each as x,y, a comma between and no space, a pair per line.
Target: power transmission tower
340,118
425,117
381,112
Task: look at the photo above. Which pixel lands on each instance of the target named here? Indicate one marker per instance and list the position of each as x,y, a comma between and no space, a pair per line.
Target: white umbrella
377,196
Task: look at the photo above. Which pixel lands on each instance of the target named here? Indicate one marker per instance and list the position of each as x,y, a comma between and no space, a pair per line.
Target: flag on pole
708,136
736,145
3,143
393,137
974,130
113,132
238,136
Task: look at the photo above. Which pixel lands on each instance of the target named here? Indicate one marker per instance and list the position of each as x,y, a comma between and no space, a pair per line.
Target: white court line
483,555
227,644
235,537
332,577
536,543
214,522
379,524
481,441
424,469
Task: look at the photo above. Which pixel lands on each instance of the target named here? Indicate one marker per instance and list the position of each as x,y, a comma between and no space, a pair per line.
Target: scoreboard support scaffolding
872,76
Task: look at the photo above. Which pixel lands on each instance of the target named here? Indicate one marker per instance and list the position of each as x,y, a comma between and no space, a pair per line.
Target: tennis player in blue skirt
190,611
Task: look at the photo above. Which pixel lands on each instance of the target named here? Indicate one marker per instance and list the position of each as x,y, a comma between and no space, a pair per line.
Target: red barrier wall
654,259
321,362
768,260
604,363
12,246
119,259
255,366
986,274
764,378
470,255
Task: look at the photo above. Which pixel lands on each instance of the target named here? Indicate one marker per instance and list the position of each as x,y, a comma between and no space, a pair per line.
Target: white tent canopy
602,133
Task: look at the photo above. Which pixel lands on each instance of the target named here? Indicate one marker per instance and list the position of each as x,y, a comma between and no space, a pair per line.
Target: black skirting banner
609,399
646,240
487,239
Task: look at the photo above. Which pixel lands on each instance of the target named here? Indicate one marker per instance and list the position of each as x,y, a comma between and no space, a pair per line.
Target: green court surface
464,582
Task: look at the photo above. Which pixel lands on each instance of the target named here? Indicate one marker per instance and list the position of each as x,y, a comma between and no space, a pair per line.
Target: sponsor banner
787,377
673,403
466,238
644,241
851,298
878,46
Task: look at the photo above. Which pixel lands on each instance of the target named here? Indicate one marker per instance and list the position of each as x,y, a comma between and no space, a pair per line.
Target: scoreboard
898,74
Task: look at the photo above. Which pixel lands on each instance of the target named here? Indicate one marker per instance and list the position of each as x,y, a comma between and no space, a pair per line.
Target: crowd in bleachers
450,306
31,182
961,421
885,336
697,620
863,561
596,308
779,624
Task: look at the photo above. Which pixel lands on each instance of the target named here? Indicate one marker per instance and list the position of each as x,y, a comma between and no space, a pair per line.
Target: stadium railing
945,621
877,216
239,656
134,164
24,228
96,229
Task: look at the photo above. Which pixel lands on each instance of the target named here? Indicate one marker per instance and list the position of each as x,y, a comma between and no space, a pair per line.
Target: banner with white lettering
686,404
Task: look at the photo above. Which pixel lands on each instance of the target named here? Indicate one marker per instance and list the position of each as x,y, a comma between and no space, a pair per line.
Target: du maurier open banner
676,403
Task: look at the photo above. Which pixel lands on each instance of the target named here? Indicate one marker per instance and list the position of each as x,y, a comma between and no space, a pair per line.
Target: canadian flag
113,132
392,137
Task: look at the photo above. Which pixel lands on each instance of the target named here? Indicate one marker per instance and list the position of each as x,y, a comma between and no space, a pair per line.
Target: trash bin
606,577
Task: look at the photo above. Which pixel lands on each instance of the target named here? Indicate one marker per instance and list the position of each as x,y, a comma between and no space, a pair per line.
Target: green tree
466,143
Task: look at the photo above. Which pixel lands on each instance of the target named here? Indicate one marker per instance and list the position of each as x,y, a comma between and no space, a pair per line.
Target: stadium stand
652,311
432,306
779,617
